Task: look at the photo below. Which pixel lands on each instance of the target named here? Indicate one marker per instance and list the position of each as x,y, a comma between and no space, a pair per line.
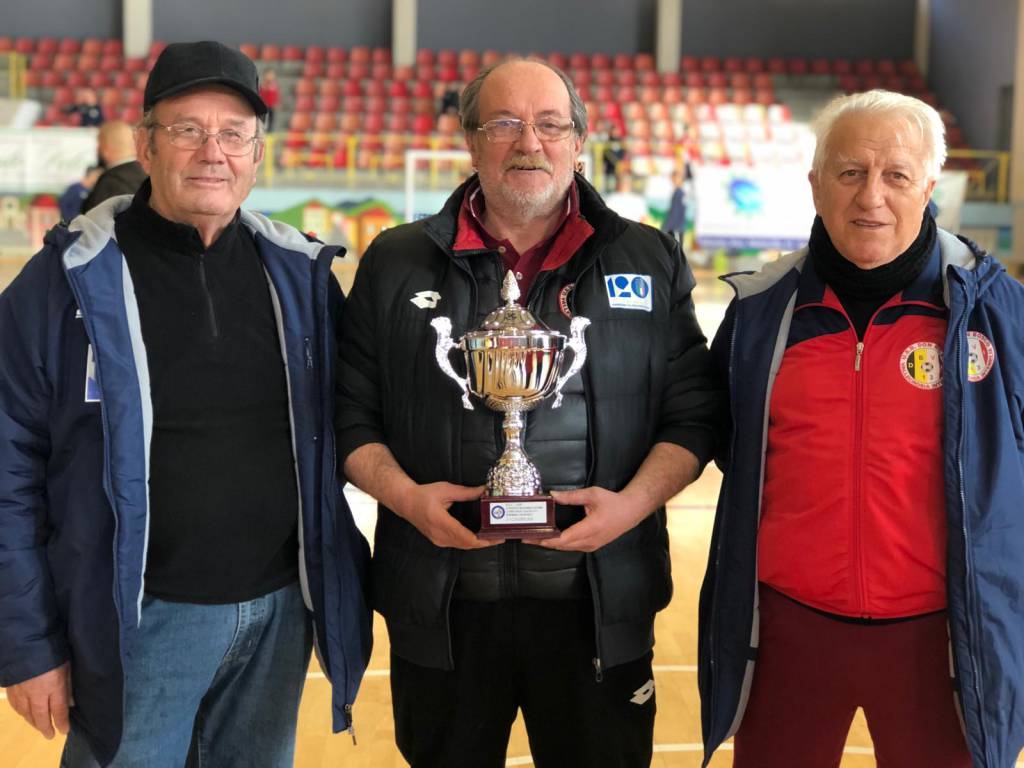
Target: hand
43,697
608,516
426,507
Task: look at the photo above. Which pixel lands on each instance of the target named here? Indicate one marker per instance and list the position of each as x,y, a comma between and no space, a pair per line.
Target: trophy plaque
513,362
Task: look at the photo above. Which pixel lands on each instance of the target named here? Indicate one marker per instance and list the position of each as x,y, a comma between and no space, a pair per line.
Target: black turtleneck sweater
863,291
222,487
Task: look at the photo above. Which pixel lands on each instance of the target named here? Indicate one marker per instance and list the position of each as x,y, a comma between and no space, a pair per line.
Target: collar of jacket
443,226
88,234
958,256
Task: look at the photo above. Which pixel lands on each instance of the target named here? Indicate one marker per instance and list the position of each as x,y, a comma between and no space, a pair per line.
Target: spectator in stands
87,107
869,534
271,95
70,201
123,174
150,551
675,219
613,159
449,101
564,629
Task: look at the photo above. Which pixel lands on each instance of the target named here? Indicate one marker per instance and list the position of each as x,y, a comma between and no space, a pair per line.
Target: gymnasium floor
677,728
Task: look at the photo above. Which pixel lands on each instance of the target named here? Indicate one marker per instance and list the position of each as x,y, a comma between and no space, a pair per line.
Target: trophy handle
445,345
579,357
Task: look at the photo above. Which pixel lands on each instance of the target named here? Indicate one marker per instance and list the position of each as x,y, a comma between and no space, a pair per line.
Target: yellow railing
349,160
15,75
987,173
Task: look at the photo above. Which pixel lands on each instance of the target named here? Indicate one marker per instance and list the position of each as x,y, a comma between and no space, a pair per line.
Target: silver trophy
513,362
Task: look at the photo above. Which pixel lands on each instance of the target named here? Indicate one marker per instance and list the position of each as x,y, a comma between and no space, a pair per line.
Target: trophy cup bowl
513,363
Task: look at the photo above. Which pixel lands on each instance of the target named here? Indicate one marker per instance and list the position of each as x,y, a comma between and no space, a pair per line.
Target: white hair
914,112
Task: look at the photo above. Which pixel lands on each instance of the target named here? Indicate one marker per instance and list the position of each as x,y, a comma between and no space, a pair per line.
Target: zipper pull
598,674
308,345
860,354
351,723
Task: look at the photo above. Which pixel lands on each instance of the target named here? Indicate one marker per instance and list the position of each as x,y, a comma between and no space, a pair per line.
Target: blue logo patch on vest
629,291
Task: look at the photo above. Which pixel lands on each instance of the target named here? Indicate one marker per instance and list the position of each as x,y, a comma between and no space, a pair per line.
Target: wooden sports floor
677,741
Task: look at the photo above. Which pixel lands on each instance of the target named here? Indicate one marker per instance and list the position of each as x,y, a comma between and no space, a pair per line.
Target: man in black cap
172,534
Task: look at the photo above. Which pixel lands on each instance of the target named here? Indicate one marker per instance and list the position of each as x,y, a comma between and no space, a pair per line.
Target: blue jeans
211,686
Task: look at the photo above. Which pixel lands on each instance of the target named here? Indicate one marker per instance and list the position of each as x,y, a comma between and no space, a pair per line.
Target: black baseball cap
185,65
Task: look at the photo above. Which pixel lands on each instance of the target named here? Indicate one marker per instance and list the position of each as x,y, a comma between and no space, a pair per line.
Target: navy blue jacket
983,444
74,507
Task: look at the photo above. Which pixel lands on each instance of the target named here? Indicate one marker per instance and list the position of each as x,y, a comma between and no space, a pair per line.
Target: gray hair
914,112
469,101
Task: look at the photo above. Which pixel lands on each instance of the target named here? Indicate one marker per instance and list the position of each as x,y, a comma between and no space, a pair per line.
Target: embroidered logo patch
921,365
629,291
563,300
643,694
426,299
92,386
981,356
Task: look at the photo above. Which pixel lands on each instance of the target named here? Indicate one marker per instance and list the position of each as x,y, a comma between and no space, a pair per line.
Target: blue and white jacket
74,464
983,445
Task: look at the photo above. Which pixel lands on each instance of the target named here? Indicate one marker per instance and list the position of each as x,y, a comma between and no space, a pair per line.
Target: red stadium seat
336,70
110,63
398,123
710,64
358,70
650,77
621,62
134,64
329,103
337,55
841,67
643,62
40,61
626,77
270,52
579,61
354,105
626,93
69,45
733,64
76,79
558,60
689,64
448,75
380,56
250,49
864,67
403,72
885,67
374,123
300,122
313,68
97,79
6,44
360,54
376,88
777,66
490,57
46,46
398,89
380,71
376,105
352,88
447,58
468,58
92,47
797,66
25,45
753,64
110,97
87,62
325,122
821,66
304,87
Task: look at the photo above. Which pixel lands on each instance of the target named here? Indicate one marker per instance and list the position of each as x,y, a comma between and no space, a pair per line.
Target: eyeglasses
189,136
505,130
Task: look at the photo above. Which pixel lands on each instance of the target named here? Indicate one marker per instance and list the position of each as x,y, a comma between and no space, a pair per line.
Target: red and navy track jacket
853,519
982,488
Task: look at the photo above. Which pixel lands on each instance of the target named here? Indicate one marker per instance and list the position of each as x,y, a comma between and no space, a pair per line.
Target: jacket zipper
211,314
856,558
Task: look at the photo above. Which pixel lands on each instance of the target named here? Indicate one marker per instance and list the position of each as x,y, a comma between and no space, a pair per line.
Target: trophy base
517,517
